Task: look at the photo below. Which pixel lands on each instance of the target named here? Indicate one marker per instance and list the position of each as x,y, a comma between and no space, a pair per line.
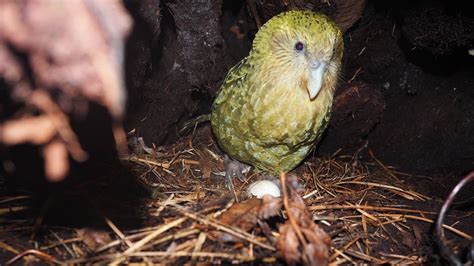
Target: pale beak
315,81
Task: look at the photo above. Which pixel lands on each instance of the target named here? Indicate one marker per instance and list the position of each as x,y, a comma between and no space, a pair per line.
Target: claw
233,168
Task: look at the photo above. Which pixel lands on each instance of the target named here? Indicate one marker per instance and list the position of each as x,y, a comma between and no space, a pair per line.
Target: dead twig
219,226
292,219
40,254
193,254
139,244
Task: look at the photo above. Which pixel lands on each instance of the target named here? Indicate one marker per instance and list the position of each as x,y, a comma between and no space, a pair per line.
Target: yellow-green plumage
263,115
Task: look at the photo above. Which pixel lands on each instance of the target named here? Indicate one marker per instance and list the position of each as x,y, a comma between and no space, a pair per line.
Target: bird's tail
191,124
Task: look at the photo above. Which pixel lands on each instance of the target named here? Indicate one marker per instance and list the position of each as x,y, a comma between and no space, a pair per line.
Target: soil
426,126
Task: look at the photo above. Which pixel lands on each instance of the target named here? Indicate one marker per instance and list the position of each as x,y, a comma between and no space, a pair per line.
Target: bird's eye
299,46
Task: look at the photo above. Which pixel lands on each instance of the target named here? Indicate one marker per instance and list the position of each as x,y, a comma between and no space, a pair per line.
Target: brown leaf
301,240
288,244
242,215
319,243
299,210
205,164
315,255
93,238
294,182
270,207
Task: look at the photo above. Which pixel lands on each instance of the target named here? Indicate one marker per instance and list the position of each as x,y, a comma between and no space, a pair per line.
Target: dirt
427,124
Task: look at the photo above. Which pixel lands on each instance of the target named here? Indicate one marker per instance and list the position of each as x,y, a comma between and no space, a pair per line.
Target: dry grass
366,208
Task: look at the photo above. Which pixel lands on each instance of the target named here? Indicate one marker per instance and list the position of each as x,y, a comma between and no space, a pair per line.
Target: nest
369,213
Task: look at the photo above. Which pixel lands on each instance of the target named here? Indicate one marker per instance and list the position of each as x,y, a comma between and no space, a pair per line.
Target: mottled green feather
263,115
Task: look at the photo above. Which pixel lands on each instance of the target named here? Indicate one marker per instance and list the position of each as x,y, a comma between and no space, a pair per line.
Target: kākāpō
275,104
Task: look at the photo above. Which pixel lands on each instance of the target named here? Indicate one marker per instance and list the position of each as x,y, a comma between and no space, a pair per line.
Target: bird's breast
287,115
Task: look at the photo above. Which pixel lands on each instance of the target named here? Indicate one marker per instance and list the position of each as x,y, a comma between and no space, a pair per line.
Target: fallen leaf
301,240
288,244
93,238
270,207
319,244
205,164
242,215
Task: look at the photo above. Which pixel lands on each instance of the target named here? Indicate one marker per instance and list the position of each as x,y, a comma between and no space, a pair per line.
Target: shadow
98,188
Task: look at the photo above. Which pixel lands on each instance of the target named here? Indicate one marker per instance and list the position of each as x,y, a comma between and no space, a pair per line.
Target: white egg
263,187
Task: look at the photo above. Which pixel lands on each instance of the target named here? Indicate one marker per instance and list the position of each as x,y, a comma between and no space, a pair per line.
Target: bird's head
300,45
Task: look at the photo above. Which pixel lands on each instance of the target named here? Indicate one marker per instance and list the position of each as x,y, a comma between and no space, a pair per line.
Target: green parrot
275,104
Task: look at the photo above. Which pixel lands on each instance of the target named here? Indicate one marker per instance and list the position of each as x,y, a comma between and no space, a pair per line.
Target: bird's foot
234,168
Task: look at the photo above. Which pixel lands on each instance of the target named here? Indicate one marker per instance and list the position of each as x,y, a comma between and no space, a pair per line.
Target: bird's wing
234,80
